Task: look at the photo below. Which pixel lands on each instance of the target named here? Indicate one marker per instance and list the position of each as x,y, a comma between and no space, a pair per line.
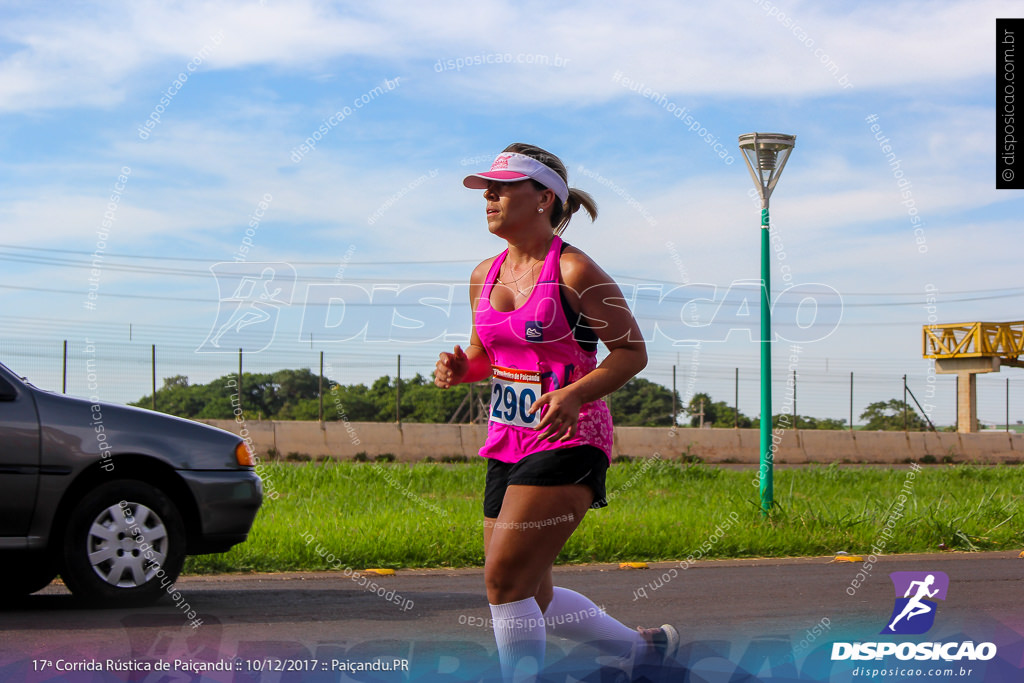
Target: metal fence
123,372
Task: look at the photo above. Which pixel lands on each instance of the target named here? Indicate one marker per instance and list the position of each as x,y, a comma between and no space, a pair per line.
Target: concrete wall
412,442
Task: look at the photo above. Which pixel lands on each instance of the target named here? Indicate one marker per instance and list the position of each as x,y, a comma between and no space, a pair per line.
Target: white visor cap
510,167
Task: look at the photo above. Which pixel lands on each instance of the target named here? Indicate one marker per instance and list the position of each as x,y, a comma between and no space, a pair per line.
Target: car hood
71,425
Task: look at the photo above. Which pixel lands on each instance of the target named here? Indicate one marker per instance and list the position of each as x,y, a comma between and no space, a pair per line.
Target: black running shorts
572,465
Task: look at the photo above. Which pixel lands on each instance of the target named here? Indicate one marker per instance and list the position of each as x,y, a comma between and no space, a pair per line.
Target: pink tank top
532,351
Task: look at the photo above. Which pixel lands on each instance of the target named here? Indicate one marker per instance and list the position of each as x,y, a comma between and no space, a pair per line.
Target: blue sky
421,95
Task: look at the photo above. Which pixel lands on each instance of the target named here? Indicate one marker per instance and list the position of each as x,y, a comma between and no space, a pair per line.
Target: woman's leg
521,546
533,526
545,592
575,616
571,615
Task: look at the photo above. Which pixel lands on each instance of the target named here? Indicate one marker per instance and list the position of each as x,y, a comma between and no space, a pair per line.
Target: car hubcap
127,545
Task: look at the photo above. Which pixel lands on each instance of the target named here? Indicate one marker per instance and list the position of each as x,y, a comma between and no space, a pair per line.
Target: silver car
111,497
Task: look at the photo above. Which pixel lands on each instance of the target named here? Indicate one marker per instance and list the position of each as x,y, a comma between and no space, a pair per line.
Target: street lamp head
766,155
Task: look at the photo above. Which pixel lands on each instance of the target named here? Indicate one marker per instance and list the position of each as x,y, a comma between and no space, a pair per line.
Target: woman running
539,309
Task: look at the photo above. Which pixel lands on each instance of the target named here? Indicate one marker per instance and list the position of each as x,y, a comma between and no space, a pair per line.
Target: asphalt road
775,619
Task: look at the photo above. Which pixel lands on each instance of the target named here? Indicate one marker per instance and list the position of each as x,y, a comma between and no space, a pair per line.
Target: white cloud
92,56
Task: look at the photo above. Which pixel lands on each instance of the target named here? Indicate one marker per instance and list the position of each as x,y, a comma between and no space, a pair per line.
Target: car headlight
244,455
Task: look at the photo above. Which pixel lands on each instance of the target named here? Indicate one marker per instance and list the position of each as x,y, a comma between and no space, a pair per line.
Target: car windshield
14,374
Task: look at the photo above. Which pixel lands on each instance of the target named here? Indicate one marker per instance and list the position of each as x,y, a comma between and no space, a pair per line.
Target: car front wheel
124,544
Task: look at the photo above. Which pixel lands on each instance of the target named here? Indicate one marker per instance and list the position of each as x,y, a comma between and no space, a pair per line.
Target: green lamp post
766,155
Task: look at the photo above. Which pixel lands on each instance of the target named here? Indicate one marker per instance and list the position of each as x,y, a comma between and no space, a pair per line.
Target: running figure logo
914,611
251,296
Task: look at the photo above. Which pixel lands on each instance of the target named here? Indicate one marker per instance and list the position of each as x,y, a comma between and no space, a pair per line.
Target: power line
992,293
193,259
460,302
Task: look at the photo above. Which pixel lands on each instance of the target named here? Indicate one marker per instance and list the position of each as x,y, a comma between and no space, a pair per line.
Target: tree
888,416
807,422
727,417
353,402
786,421
716,413
701,410
422,401
263,395
178,397
642,403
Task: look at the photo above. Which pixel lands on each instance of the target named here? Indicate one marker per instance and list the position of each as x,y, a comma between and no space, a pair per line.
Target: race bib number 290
513,391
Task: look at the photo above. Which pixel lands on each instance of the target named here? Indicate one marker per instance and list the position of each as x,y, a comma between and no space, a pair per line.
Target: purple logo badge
534,331
916,593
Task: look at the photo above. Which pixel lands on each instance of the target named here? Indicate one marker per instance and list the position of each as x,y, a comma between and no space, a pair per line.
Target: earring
540,209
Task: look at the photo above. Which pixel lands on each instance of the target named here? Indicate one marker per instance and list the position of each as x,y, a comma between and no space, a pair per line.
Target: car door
19,458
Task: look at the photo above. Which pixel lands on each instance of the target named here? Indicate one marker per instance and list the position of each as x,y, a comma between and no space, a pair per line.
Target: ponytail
577,199
560,213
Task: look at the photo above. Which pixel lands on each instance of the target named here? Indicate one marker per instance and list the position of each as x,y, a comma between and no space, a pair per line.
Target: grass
378,514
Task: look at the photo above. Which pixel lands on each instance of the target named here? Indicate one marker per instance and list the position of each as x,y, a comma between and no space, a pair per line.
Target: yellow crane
967,349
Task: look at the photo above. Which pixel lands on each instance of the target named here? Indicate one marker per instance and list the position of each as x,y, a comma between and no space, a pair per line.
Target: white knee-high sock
520,635
574,616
